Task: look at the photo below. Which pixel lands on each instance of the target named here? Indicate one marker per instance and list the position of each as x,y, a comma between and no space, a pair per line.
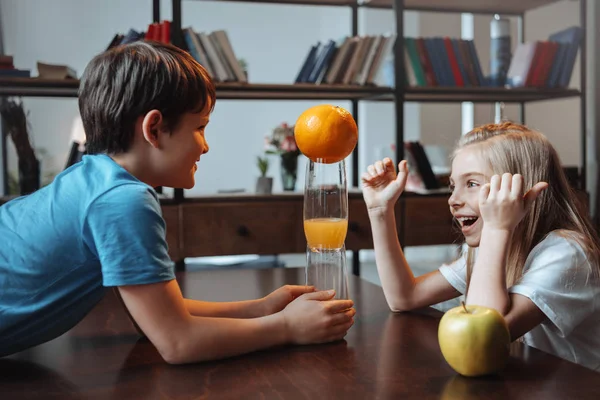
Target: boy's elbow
174,349
172,353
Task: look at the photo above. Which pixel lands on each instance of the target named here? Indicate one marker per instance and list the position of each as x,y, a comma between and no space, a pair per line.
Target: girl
531,252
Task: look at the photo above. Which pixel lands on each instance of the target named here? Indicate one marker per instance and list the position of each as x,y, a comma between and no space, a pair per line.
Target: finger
516,191
505,185
402,174
343,317
402,166
494,186
319,295
371,170
366,177
336,306
297,290
379,168
388,164
484,193
533,193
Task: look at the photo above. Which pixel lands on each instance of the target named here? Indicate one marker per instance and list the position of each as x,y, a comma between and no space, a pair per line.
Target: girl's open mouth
466,223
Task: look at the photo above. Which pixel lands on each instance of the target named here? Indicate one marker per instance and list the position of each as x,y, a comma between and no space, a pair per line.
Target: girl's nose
454,200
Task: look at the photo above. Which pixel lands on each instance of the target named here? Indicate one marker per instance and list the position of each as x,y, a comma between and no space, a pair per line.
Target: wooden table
384,355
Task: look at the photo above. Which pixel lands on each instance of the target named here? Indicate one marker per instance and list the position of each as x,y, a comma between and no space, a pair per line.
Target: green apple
474,340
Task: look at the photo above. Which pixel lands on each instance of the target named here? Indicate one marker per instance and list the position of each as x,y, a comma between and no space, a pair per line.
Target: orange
326,133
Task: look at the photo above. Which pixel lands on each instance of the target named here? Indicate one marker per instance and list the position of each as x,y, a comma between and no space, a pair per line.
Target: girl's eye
471,184
451,187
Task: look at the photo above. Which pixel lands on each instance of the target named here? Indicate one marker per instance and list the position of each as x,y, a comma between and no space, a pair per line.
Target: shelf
237,91
36,87
301,91
486,94
467,6
304,91
345,3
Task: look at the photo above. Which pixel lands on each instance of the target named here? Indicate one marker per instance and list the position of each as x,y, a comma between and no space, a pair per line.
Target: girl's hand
502,204
381,185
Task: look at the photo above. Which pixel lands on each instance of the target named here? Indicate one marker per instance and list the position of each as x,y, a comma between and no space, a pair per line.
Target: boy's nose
206,148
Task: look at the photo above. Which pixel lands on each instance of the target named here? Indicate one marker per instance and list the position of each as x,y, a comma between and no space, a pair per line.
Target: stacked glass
326,226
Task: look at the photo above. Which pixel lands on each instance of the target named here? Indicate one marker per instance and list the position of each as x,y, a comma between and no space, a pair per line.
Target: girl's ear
151,126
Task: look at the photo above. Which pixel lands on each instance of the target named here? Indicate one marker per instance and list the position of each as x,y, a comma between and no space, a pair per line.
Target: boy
144,107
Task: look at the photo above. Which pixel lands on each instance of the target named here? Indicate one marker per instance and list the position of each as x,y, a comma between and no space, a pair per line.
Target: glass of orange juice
326,225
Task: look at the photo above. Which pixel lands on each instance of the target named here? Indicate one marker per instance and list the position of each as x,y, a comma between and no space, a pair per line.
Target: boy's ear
152,124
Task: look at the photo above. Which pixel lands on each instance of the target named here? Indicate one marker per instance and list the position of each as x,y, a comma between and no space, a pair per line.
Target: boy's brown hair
123,83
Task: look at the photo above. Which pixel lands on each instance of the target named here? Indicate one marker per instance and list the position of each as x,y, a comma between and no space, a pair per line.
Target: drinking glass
326,226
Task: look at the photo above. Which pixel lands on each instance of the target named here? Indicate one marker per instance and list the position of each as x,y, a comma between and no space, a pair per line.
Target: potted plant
282,143
264,183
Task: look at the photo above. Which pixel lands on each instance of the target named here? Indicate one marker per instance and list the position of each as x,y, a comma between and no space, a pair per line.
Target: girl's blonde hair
514,148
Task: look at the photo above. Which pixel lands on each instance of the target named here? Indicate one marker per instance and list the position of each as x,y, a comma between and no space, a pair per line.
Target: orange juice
325,233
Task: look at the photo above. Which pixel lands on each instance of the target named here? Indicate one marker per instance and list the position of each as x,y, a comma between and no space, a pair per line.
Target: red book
153,32
165,32
453,63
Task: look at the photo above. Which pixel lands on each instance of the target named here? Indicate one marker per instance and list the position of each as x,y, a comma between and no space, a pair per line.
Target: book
55,71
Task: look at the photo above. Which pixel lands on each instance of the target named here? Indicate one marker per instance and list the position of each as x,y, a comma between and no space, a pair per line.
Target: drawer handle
353,226
243,231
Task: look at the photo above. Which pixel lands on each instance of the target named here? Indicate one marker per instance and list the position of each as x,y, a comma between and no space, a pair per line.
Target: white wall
274,40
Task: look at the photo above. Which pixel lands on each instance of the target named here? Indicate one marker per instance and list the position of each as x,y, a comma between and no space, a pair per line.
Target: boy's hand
502,204
278,299
382,186
310,319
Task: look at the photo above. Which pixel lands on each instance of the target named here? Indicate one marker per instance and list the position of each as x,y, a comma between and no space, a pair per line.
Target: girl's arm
381,189
488,280
402,290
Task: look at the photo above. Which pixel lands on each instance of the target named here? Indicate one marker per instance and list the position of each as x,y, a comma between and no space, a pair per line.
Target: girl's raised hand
382,186
502,204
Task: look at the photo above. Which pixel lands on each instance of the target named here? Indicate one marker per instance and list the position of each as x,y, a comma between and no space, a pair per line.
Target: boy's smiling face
176,156
469,173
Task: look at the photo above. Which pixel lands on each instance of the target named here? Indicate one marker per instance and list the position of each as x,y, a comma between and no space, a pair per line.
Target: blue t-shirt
93,227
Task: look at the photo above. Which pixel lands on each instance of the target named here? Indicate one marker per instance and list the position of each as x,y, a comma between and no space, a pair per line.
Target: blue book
15,73
571,36
476,63
435,61
445,61
307,65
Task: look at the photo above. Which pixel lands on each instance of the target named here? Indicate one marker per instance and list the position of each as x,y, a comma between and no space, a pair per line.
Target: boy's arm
402,290
270,304
234,309
161,313
136,326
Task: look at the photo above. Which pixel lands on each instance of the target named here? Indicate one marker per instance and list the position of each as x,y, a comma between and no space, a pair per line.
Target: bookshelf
35,87
399,95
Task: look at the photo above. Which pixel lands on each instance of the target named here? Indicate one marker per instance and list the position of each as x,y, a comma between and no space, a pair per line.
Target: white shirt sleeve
456,272
556,278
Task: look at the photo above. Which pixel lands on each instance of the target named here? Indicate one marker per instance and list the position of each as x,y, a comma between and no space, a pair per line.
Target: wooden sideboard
272,224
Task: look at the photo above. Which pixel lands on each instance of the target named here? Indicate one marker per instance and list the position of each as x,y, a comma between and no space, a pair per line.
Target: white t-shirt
556,279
